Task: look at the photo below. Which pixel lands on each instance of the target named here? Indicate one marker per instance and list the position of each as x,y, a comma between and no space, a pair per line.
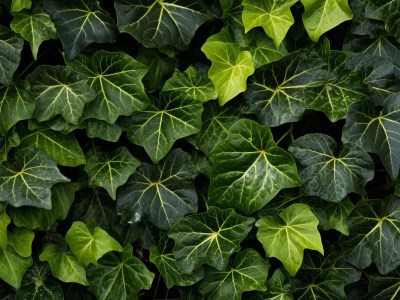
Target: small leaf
7,142
208,238
11,46
103,130
4,221
18,5
287,235
13,267
21,241
337,215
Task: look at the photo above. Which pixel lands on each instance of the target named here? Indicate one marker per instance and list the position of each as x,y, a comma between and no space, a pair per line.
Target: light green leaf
328,172
119,277
7,142
27,179
321,16
157,24
171,117
260,171
111,169
376,131
21,241
208,238
35,26
59,90
248,272
89,247
287,235
272,15
103,130
230,66
164,192
11,46
13,267
18,5
80,23
337,214
64,265
4,221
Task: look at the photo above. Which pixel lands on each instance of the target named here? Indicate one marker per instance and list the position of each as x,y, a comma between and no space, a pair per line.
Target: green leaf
27,179
89,246
171,117
384,287
119,277
103,130
274,17
161,255
64,265
117,80
248,272
111,169
21,241
18,5
13,267
277,289
337,214
374,227
7,142
208,238
260,171
375,129
157,24
230,66
328,172
35,26
59,90
4,221
11,46
287,235
321,16
386,11
163,192
80,23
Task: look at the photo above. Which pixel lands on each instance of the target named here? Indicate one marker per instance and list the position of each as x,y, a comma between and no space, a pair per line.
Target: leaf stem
288,132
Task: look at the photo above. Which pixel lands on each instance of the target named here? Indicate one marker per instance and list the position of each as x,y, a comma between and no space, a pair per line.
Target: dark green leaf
277,288
7,142
386,11
21,241
384,287
143,233
103,130
77,291
13,267
10,48
337,214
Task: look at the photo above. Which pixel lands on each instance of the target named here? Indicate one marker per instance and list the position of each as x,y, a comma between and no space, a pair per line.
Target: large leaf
28,178
157,24
208,238
249,169
7,142
163,192
10,48
117,80
111,169
13,267
35,26
172,116
287,235
79,23
374,234
59,90
384,287
230,66
248,272
376,131
4,221
119,277
328,172
21,241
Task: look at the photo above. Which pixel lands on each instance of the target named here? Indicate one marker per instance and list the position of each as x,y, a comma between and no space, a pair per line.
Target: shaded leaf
13,267
337,214
7,142
21,241
10,48
383,287
386,11
103,130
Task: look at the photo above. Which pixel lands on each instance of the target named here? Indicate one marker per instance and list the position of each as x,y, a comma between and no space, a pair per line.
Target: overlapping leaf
7,142
103,130
384,287
13,267
386,11
337,214
4,221
18,5
20,239
10,48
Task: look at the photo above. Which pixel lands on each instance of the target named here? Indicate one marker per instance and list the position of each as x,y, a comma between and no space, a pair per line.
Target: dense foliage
217,149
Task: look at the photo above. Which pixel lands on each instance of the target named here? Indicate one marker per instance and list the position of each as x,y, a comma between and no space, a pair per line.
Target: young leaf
208,238
287,235
111,169
28,178
163,192
13,267
249,169
4,221
21,241
7,142
18,5
119,277
80,23
10,48
248,272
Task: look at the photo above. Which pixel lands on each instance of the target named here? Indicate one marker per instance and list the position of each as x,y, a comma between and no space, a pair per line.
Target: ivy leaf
230,66
321,16
161,255
376,132
28,178
35,26
89,246
59,90
383,287
208,238
80,23
11,46
287,235
374,234
111,169
4,221
157,24
163,192
248,272
119,277
277,288
117,80
7,142
64,265
21,241
260,171
274,16
103,130
328,172
18,5
171,117
337,214
386,11
13,267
